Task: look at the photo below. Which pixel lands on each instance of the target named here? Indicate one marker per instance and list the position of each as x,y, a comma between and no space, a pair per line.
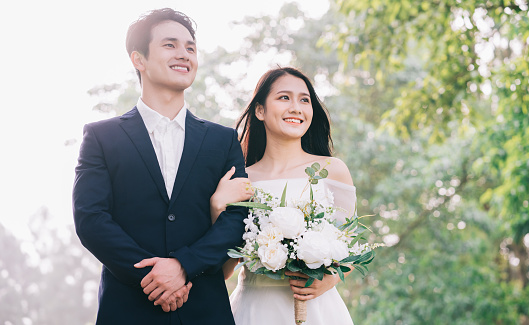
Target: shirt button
171,217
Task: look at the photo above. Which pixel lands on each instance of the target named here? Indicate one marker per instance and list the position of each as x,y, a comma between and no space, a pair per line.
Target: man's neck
167,103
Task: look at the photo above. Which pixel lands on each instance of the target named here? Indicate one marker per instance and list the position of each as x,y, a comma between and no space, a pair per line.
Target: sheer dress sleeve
344,199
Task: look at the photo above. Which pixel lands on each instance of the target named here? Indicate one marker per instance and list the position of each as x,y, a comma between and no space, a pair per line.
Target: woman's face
287,112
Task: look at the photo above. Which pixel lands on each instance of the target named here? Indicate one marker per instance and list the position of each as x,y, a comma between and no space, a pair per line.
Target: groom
142,190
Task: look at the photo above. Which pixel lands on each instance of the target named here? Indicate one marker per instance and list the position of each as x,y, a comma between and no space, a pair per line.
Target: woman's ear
137,60
259,112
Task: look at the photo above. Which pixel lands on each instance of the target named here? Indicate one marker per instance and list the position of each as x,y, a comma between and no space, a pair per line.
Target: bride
285,129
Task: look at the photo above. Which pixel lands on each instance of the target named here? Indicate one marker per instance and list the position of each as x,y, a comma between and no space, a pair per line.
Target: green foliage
429,109
466,72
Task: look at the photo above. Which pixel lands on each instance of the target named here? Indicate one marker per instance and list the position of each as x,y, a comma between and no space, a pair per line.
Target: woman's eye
284,97
305,100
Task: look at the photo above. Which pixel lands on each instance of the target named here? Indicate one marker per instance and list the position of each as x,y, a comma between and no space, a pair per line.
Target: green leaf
324,173
311,193
310,171
340,273
309,282
350,259
319,215
273,275
284,196
294,266
234,253
345,268
362,269
315,166
239,265
252,205
315,273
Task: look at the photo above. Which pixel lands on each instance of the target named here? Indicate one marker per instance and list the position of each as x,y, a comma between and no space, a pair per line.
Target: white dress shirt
167,137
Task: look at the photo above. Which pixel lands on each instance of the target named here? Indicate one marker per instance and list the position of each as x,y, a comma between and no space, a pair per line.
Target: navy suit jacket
123,215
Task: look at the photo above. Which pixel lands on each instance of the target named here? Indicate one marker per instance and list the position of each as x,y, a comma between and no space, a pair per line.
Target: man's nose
181,53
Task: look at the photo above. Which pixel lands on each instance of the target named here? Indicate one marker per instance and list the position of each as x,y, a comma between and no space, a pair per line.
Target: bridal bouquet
301,236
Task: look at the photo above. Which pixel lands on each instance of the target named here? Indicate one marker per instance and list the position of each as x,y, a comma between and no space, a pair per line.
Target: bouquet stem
300,311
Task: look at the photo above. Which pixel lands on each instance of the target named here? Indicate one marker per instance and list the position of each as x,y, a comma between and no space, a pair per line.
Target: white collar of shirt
152,118
167,138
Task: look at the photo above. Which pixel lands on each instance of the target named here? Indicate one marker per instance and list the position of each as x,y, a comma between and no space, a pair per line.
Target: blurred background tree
428,102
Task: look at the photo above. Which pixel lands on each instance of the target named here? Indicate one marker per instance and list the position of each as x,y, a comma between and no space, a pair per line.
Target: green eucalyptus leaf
309,282
324,173
310,171
234,253
315,166
252,205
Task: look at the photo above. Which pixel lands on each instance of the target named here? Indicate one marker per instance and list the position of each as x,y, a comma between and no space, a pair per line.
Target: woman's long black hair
317,140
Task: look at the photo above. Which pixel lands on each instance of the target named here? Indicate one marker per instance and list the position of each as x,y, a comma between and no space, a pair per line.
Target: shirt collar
152,118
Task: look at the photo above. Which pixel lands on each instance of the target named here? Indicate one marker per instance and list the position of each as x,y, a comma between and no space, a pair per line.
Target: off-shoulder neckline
332,181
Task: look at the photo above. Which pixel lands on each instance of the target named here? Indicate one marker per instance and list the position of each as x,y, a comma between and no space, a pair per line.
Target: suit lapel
133,125
195,132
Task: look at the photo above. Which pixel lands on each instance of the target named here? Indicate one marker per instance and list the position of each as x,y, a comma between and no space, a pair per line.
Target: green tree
472,84
410,96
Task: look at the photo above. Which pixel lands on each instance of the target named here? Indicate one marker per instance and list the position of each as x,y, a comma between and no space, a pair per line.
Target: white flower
314,249
329,230
291,221
358,249
249,236
273,257
269,236
339,249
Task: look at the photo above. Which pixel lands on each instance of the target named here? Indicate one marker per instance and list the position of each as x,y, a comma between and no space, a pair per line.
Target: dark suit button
171,217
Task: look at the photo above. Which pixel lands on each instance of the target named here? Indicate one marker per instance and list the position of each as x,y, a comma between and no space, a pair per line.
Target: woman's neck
281,158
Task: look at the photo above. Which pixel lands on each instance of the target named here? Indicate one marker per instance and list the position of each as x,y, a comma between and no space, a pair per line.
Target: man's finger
166,308
156,295
146,262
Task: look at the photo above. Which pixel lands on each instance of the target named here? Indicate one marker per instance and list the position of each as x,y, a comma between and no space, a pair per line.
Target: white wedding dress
260,300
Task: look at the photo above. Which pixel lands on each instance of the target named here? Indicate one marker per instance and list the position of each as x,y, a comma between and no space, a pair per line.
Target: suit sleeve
92,208
210,251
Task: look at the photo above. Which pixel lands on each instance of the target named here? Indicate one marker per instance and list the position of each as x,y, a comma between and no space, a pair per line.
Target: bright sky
52,53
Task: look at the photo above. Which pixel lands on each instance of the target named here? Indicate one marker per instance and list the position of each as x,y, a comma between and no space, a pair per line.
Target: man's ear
259,112
138,60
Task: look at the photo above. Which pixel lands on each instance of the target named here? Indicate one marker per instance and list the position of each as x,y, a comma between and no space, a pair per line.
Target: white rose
290,221
314,249
339,250
273,257
269,236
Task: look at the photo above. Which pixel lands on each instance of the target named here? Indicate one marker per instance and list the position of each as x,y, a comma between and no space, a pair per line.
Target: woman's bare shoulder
337,169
